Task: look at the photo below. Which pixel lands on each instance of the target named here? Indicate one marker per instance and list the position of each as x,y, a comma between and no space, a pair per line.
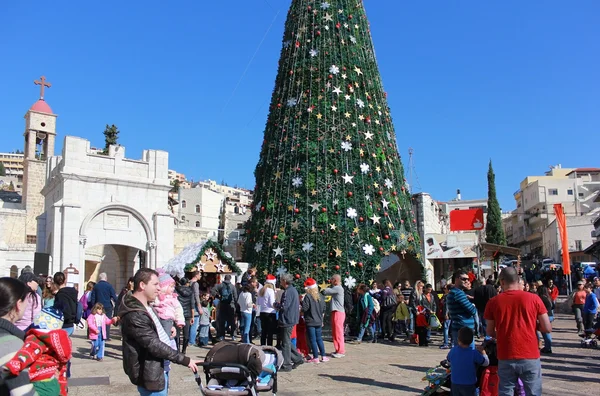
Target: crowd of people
161,316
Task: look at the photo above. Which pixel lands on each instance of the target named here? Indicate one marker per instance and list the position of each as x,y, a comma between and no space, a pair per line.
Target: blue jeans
69,331
194,328
446,330
528,370
483,324
315,339
361,333
98,346
164,392
246,323
547,336
411,324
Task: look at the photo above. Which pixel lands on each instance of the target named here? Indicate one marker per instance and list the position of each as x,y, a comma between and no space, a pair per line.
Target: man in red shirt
512,319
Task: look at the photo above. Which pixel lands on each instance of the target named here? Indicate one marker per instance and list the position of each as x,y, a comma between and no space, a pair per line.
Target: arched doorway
399,268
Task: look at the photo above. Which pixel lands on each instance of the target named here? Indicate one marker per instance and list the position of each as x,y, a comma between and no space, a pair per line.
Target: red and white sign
466,220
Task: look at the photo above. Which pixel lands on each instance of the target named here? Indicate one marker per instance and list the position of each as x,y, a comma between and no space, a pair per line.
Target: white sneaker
338,355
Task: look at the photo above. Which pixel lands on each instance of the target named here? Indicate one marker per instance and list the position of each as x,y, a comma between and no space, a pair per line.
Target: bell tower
40,137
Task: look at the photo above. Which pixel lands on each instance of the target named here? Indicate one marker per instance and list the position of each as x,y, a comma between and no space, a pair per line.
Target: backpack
390,300
376,306
226,295
84,305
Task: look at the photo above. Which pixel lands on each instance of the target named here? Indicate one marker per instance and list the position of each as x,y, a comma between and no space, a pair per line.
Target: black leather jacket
143,352
185,294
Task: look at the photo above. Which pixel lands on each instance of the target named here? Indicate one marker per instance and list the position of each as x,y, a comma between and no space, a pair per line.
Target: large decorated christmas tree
330,193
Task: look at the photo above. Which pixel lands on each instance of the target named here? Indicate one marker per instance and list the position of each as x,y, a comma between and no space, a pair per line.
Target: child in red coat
46,351
421,325
97,322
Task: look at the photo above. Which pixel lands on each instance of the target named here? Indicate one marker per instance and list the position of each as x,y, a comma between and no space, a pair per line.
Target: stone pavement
379,369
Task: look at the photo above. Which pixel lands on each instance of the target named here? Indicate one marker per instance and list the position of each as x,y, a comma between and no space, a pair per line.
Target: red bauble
349,193
291,72
385,214
336,212
414,220
361,219
394,193
296,210
335,171
360,265
285,261
275,237
322,232
297,276
291,239
262,208
337,267
380,192
323,210
381,249
315,265
386,236
318,33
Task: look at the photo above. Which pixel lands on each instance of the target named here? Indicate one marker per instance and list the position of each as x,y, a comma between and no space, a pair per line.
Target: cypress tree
494,232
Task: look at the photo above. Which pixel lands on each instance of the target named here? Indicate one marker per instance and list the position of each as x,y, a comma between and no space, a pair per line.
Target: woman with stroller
590,308
313,307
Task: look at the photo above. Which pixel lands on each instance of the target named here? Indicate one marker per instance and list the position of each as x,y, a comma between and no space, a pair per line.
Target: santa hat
271,279
165,280
48,319
310,283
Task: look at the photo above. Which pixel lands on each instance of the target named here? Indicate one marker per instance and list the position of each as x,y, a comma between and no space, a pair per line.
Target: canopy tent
205,256
492,251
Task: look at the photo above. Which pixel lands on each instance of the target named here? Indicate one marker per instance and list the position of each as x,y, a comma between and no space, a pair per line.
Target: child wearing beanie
46,351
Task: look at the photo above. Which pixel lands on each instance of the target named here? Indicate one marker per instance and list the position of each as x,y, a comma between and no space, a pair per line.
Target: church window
183,204
198,224
197,208
14,271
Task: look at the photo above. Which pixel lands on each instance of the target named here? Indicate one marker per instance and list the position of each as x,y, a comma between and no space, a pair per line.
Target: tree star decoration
297,181
388,183
364,168
220,266
350,282
258,247
351,212
328,17
307,247
346,146
315,207
337,90
281,271
385,203
313,52
352,263
201,266
347,178
278,251
210,254
368,136
375,219
334,69
368,249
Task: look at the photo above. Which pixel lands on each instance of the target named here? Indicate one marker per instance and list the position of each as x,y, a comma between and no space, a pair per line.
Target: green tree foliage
175,183
330,193
494,232
111,135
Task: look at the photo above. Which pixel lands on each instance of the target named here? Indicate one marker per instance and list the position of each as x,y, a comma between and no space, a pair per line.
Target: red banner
466,220
561,221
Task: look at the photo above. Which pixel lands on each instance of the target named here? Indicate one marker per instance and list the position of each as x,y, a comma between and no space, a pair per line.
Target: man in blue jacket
289,315
104,294
461,311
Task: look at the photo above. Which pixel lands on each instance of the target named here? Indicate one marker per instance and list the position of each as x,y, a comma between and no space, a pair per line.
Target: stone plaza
378,369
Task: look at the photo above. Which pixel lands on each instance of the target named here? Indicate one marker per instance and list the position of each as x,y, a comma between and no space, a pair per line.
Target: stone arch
117,206
397,268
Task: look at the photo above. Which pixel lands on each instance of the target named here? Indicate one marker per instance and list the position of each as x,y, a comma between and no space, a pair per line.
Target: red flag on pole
561,221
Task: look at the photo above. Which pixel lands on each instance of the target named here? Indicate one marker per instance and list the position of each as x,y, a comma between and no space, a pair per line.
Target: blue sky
514,81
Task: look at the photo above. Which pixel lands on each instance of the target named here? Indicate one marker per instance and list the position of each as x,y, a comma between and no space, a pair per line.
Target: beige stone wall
187,236
33,201
12,227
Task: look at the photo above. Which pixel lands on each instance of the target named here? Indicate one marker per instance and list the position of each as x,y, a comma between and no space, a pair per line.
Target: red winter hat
310,283
271,279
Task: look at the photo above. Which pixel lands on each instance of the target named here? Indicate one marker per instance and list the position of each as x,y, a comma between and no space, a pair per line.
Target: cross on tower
42,82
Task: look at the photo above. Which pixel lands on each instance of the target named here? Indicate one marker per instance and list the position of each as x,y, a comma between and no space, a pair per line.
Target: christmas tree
330,193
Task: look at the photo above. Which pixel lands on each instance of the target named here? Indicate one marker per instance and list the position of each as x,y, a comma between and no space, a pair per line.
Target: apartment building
180,177
577,189
13,164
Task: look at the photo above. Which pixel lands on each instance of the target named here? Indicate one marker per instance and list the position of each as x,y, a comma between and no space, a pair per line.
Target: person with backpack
105,294
367,317
389,302
227,295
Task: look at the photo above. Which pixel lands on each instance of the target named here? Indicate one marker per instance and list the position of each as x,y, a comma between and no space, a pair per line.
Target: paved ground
378,369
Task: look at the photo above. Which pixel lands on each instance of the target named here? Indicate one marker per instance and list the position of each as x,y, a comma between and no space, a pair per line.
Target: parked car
550,266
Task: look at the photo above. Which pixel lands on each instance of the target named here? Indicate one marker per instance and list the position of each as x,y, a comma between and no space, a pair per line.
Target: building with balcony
577,189
13,165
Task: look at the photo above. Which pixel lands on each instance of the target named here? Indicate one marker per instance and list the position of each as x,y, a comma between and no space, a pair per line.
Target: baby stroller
439,380
240,369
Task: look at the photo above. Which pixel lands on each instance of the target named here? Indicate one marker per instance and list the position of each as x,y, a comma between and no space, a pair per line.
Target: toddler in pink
97,321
